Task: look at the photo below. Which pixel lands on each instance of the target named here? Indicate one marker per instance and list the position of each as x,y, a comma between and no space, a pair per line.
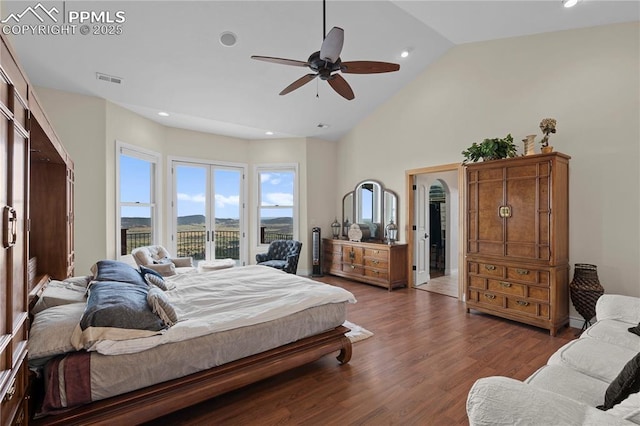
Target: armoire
36,198
517,239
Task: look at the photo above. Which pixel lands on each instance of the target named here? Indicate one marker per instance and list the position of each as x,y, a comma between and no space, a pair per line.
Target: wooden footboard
164,398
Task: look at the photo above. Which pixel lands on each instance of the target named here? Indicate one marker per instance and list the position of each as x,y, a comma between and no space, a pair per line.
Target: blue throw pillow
112,270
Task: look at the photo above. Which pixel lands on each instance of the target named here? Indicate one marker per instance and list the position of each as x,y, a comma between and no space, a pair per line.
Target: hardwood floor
425,354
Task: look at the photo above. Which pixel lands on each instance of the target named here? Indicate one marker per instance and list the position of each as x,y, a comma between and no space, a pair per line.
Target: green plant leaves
490,149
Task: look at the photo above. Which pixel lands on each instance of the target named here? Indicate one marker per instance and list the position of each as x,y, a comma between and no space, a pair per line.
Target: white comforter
230,298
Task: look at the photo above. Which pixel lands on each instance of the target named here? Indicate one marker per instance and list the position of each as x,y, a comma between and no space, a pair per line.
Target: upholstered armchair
282,254
158,258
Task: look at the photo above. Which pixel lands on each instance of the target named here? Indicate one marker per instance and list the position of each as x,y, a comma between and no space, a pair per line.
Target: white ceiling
170,57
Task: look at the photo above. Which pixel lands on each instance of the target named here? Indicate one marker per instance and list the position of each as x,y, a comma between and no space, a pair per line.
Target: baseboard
576,322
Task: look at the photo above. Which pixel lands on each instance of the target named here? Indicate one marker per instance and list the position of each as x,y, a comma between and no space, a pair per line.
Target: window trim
276,167
155,158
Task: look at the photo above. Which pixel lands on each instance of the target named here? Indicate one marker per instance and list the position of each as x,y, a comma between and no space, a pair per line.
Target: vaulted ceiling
170,58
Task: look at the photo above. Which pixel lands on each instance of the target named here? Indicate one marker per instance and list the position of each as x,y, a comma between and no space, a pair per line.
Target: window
277,202
137,174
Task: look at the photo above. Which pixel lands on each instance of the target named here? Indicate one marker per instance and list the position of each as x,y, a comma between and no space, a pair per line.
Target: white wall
587,79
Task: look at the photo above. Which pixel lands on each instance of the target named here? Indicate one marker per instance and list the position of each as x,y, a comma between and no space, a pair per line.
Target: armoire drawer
506,287
539,310
528,275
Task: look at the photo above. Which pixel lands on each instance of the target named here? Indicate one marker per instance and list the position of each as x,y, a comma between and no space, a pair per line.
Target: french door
208,211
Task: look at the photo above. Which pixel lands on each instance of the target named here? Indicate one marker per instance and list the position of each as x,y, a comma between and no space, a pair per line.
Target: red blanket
67,382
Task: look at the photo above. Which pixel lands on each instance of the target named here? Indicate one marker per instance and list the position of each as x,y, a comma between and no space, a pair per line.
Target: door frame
410,218
172,205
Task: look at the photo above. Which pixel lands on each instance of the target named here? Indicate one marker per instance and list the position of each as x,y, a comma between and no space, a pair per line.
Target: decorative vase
585,291
546,149
529,144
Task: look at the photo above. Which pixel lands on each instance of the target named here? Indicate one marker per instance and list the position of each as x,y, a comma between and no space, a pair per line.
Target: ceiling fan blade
332,45
368,67
341,86
281,61
298,83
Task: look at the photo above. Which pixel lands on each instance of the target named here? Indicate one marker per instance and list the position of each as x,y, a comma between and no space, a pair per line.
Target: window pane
276,188
227,186
191,187
135,180
276,224
135,228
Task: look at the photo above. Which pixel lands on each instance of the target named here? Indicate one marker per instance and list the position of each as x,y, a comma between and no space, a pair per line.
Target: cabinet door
485,195
528,218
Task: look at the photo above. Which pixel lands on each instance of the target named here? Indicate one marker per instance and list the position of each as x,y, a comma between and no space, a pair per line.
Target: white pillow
629,409
52,329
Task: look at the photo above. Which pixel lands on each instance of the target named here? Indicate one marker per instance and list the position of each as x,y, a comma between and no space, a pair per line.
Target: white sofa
568,389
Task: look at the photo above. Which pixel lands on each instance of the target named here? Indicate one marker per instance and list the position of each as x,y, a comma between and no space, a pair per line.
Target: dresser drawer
486,298
477,283
538,310
381,254
12,404
506,287
486,269
528,275
352,269
376,263
376,274
352,255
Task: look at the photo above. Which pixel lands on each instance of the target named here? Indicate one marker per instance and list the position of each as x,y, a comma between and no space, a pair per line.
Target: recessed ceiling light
268,133
570,3
228,39
323,125
404,54
163,114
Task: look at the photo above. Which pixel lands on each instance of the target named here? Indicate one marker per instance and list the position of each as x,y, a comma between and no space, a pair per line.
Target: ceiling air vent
108,78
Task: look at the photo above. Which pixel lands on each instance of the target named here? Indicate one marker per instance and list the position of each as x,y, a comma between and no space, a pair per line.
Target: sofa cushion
615,332
593,357
629,409
626,383
570,383
503,401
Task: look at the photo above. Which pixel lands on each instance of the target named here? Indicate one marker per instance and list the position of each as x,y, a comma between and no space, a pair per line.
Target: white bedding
222,300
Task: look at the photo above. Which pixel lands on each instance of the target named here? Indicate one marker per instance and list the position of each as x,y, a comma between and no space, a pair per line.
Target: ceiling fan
327,65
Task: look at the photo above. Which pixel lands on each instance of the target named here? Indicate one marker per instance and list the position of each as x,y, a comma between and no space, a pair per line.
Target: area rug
357,333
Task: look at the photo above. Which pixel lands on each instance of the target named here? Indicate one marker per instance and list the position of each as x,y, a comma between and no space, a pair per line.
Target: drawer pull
505,284
490,267
490,296
522,303
353,267
522,271
375,262
11,391
376,251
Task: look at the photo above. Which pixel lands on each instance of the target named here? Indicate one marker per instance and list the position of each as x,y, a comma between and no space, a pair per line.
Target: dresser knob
490,267
490,296
522,271
505,284
522,303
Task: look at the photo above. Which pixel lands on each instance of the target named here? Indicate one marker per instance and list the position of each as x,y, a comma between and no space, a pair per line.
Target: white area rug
357,333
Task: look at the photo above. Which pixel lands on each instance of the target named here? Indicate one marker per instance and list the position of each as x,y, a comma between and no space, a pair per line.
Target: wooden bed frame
164,398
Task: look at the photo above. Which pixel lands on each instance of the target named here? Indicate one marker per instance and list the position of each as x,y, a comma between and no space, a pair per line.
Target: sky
191,183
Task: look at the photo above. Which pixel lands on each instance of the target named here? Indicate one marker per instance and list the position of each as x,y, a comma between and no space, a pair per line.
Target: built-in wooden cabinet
51,190
36,202
517,239
373,263
14,181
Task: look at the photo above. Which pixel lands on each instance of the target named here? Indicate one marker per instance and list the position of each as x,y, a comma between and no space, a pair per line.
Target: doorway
208,218
434,217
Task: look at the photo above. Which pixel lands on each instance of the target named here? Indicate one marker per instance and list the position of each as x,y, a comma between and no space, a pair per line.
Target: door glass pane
191,186
135,225
227,185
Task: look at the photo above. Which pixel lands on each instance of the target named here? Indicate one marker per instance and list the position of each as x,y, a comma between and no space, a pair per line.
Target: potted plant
490,149
547,125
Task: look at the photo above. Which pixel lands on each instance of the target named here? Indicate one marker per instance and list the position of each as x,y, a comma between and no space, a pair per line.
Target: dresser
372,263
517,239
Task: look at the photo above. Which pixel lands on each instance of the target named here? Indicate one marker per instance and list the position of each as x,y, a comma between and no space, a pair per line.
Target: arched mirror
371,205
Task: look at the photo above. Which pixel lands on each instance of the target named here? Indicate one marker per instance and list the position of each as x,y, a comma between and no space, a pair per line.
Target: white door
208,213
421,236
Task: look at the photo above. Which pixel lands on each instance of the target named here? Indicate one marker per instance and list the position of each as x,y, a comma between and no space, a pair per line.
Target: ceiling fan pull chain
317,90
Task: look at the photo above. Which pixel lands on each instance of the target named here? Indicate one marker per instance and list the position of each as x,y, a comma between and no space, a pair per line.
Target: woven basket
585,290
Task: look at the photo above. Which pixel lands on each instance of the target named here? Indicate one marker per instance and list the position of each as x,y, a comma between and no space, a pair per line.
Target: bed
233,327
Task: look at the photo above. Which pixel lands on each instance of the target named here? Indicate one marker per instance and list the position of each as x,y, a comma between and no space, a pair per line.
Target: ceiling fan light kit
327,65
